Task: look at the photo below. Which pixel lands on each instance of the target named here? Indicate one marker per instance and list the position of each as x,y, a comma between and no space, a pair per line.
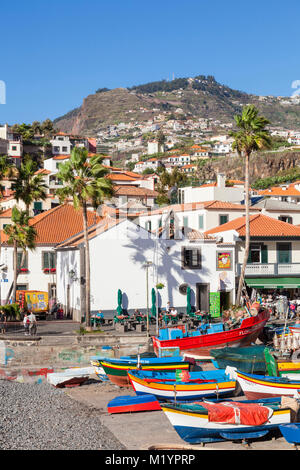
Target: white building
61,144
200,216
39,270
155,147
124,248
212,192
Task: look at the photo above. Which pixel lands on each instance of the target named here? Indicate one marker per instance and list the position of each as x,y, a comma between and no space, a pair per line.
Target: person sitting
173,312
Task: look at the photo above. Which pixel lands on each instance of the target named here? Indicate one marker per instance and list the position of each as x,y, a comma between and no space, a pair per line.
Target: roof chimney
221,179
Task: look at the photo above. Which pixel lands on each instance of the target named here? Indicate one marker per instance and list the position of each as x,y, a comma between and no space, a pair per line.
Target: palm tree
251,136
21,235
28,186
7,170
84,181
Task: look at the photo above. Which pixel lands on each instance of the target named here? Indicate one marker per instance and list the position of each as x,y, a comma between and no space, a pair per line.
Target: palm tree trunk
247,239
15,271
87,268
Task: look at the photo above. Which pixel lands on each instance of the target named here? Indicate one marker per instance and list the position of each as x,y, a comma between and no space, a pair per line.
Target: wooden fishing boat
250,359
212,422
291,432
280,367
116,369
261,386
198,385
130,404
197,343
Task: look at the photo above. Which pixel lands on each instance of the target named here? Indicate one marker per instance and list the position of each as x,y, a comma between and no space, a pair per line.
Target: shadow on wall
166,254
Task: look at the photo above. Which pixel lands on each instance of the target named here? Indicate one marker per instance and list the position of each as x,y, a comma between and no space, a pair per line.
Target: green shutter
37,205
201,222
284,253
264,254
223,219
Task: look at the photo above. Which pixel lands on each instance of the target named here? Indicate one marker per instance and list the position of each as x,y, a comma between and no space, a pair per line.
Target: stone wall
71,352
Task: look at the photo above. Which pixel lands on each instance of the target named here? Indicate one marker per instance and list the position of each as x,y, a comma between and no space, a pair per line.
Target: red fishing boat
196,343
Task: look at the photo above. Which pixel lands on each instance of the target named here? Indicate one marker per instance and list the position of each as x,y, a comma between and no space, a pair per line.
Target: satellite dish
183,289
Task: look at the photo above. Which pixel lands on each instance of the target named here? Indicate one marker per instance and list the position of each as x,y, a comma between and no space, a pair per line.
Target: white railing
262,269
271,269
292,268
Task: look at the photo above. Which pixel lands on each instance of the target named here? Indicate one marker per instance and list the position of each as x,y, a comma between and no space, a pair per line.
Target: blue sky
54,53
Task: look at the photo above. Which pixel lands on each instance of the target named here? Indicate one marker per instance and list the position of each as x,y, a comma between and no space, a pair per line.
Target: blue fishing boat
190,386
129,404
116,369
210,421
291,432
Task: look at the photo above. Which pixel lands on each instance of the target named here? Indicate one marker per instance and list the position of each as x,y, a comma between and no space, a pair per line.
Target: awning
274,283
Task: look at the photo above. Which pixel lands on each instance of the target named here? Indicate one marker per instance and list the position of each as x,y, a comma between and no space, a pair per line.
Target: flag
182,375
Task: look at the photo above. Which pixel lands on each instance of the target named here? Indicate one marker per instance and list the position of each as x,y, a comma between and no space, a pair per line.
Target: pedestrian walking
2,322
32,324
26,323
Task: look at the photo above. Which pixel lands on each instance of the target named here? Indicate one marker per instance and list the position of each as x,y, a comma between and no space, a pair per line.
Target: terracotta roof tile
59,224
260,226
279,191
207,205
130,190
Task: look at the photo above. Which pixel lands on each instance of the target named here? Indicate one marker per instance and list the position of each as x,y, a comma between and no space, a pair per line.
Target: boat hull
256,387
183,391
117,371
194,427
202,344
291,432
129,404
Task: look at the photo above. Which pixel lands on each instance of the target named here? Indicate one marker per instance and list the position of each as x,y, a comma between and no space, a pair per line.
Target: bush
11,311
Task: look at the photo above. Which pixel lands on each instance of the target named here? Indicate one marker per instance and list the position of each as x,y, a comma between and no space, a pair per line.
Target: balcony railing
270,269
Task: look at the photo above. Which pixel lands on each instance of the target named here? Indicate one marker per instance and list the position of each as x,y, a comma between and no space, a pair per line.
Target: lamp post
147,266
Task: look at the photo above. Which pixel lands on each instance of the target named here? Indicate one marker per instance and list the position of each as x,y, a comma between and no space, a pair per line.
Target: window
201,222
22,286
286,218
37,206
191,258
148,226
20,256
56,149
65,149
284,251
48,260
258,253
223,219
14,148
185,221
52,291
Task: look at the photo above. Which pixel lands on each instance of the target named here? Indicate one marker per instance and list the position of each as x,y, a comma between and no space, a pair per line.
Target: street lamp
147,266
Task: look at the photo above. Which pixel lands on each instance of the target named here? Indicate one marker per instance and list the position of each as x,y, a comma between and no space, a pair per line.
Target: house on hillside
212,191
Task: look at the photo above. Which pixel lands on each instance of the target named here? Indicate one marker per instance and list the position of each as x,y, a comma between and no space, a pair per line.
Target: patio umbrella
188,301
153,308
119,308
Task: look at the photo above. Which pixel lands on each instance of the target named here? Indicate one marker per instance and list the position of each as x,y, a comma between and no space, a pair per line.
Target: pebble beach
40,417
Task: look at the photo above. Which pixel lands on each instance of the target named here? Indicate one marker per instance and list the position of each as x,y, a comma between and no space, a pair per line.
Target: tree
47,128
251,136
84,181
28,186
21,235
169,183
7,170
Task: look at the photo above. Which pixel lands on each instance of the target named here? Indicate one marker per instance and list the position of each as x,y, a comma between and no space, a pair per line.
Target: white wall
117,260
213,193
35,277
